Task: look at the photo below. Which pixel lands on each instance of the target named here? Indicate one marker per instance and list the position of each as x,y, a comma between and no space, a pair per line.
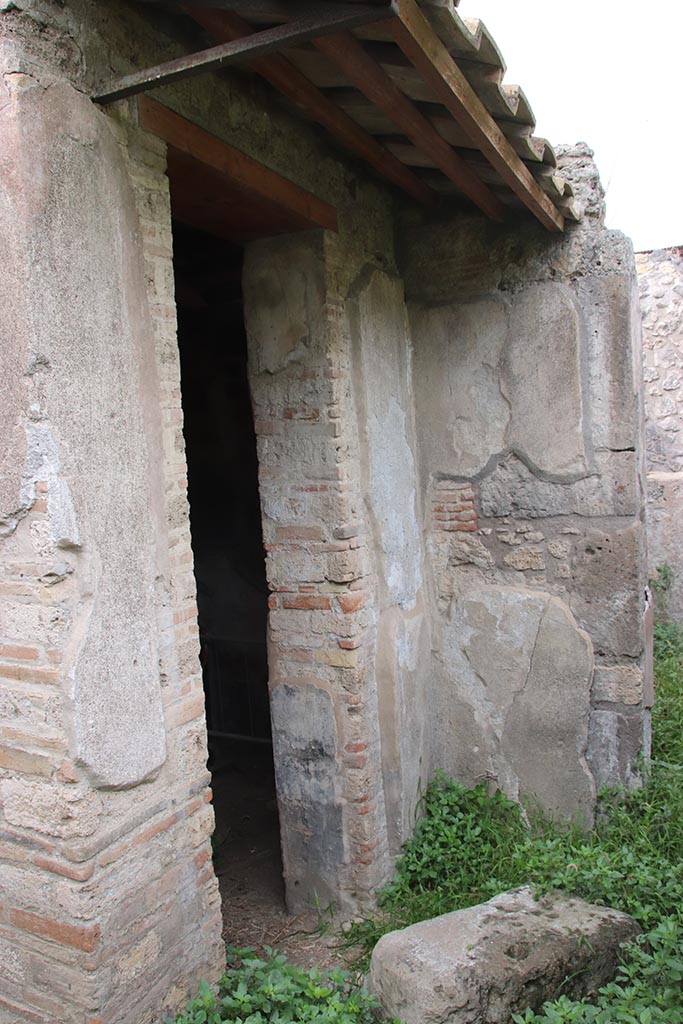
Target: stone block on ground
480,965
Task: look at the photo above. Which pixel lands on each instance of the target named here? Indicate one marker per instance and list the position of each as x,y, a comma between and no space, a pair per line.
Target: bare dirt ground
249,867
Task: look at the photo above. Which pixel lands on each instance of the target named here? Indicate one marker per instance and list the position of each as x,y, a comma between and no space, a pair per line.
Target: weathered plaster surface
77,188
493,352
528,422
101,749
517,697
540,378
383,384
660,276
323,535
86,367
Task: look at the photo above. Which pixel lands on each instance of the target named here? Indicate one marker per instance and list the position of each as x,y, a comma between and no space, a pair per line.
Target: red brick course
453,508
78,936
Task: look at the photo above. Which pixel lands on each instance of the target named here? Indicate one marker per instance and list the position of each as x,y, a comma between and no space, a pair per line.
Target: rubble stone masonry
660,276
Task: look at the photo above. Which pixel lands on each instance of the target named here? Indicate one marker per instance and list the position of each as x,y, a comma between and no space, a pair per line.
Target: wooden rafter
403,62
283,76
424,49
239,170
344,50
325,18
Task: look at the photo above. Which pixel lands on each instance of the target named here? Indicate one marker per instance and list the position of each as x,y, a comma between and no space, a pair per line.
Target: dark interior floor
248,863
247,838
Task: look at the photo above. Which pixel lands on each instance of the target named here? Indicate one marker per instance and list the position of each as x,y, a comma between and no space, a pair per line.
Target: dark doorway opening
232,594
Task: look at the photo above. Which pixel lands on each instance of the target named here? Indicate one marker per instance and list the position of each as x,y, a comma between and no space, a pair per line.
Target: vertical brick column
109,910
183,899
322,614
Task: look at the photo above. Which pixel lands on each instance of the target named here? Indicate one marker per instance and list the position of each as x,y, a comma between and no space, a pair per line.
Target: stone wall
451,497
108,889
526,368
349,654
105,823
660,276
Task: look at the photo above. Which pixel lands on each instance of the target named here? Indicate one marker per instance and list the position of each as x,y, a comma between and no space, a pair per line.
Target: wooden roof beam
323,18
344,50
238,169
288,80
422,46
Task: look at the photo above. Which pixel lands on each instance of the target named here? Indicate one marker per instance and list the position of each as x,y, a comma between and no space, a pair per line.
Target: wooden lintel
239,170
344,50
424,49
288,80
326,18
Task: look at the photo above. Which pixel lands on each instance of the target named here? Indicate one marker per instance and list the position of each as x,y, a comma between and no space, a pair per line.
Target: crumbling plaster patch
84,423
383,389
284,302
522,668
660,278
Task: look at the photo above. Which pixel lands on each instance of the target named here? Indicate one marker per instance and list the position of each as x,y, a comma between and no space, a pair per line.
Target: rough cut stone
664,511
618,684
607,598
478,966
525,558
616,737
513,489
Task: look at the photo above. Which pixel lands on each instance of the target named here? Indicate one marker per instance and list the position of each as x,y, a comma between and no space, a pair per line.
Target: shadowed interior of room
229,564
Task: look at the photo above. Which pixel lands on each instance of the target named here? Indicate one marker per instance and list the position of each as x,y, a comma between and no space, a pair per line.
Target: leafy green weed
256,990
468,846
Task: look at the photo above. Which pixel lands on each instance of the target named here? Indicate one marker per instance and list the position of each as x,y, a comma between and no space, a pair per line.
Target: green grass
468,846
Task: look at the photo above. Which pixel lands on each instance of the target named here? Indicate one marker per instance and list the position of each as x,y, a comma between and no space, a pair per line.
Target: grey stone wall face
526,354
660,277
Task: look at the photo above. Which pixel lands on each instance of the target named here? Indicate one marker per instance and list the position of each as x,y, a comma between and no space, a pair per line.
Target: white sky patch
605,72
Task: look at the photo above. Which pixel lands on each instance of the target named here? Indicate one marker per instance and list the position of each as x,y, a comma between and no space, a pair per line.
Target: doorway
222,200
229,560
